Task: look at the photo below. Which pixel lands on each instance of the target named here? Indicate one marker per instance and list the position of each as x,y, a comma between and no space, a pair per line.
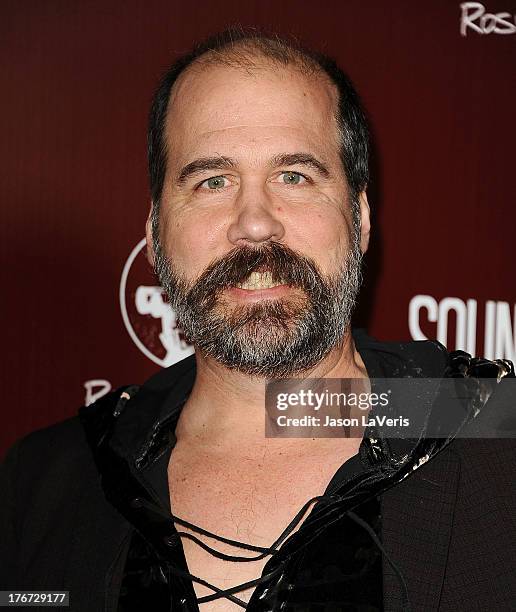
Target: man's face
256,245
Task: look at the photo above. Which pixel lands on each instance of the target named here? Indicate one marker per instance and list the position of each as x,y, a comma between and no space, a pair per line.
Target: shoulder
51,494
393,359
45,461
488,440
54,452
486,443
42,477
55,442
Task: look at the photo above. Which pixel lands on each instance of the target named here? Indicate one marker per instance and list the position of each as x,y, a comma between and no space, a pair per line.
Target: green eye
215,182
292,178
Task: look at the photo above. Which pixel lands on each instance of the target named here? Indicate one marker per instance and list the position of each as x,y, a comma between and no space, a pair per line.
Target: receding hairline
256,52
253,56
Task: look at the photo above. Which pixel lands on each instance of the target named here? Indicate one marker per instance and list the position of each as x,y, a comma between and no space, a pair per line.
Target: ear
148,237
365,222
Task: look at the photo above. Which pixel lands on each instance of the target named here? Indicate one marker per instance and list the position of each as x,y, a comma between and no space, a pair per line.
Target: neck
226,408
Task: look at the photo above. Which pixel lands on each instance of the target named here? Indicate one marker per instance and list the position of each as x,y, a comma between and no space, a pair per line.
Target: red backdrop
76,84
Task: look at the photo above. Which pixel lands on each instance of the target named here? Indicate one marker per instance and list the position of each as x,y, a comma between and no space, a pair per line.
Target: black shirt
349,578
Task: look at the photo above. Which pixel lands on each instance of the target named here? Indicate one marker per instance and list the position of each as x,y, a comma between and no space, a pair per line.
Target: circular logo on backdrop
147,315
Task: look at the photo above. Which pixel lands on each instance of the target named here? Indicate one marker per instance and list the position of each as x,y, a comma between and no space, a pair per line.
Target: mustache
284,264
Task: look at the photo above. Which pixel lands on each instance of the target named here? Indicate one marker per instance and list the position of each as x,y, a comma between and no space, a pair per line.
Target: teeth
259,280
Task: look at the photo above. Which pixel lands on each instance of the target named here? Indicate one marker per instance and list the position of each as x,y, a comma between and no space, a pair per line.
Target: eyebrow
303,159
220,162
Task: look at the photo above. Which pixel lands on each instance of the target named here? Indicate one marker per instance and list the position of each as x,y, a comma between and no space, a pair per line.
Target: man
169,496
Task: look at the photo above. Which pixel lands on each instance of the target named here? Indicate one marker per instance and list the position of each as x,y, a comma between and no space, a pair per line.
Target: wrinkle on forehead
260,128
317,91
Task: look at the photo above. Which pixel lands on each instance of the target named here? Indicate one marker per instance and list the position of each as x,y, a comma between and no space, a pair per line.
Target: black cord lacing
270,551
264,552
267,551
227,593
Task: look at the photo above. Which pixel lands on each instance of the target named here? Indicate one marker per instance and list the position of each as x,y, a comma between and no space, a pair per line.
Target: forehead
212,104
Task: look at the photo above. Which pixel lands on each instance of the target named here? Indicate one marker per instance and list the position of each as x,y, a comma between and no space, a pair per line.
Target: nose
255,221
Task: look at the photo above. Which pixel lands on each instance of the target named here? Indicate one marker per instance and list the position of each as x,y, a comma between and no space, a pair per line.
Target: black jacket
448,528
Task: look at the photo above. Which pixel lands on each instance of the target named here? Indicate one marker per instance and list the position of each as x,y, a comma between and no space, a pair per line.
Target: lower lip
251,295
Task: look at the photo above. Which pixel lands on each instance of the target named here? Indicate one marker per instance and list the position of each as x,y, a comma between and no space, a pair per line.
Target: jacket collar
142,431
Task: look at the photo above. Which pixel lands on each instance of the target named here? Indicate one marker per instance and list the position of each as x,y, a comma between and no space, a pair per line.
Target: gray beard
273,338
